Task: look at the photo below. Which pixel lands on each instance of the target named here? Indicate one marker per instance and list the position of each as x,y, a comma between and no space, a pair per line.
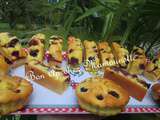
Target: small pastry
75,51
15,92
55,50
14,52
36,48
106,55
91,55
4,67
101,96
155,91
129,82
138,62
152,70
53,78
121,55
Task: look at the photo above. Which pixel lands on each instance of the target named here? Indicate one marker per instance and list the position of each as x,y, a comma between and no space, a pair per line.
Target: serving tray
44,101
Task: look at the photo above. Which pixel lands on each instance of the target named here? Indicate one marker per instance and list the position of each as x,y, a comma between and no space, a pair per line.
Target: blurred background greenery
130,22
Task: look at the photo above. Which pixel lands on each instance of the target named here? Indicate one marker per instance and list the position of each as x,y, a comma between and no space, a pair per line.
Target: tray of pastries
101,78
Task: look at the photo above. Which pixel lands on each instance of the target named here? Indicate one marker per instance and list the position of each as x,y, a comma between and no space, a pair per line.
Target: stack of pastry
138,62
11,48
121,55
36,48
75,51
91,55
152,70
106,56
55,50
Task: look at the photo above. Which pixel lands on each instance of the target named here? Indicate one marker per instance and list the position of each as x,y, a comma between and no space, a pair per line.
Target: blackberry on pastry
75,51
14,52
91,55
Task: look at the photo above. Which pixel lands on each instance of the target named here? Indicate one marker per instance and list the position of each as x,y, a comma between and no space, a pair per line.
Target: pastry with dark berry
13,51
36,48
4,66
129,82
155,92
75,51
101,96
53,78
121,55
152,70
91,60
138,62
55,50
15,93
91,55
106,56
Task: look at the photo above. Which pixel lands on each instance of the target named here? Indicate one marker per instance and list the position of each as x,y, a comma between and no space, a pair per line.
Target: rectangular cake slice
75,51
54,79
135,86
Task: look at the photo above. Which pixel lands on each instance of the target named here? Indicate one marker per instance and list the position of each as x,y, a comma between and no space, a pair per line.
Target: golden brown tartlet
101,96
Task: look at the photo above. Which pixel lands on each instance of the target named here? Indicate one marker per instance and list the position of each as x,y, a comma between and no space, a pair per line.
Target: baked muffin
15,92
121,55
155,91
4,67
101,96
55,50
152,70
139,61
106,56
75,51
128,81
14,52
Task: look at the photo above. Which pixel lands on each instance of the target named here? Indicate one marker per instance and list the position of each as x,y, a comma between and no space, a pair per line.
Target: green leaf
90,12
107,24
